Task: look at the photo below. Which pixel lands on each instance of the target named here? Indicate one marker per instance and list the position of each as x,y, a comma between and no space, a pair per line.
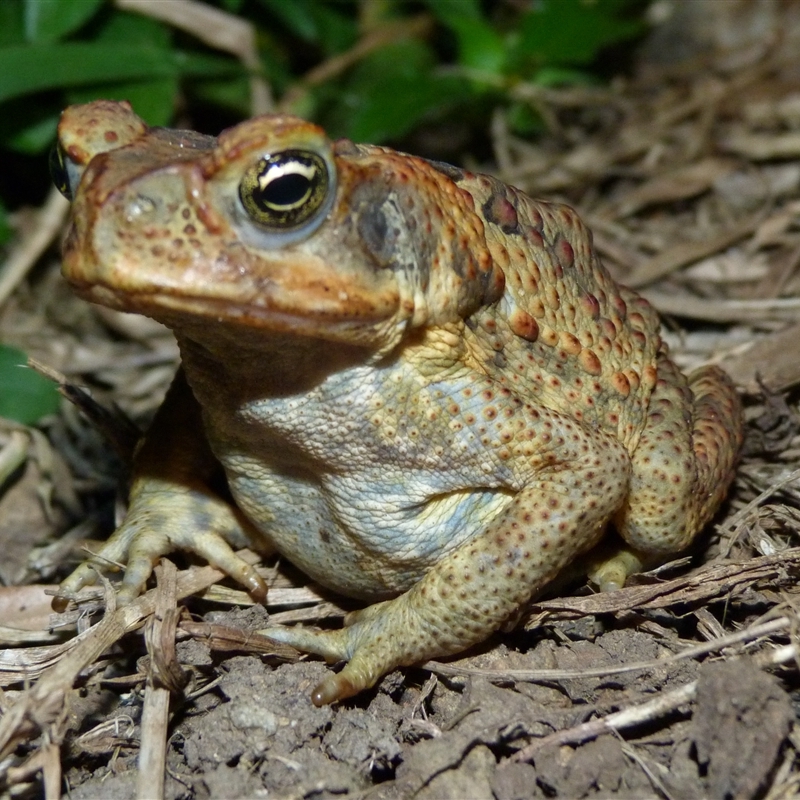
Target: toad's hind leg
559,514
682,468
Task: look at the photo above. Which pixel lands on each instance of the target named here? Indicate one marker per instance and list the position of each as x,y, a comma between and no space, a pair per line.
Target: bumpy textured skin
437,400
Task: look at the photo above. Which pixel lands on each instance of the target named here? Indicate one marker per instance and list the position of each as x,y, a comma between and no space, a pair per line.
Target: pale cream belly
363,537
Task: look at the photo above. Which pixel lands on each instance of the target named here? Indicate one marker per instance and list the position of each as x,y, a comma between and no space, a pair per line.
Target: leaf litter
687,172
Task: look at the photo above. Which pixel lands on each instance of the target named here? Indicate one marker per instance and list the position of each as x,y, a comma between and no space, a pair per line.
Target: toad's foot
365,643
610,572
164,517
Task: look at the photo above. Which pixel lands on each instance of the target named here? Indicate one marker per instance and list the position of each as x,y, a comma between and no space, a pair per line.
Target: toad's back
564,331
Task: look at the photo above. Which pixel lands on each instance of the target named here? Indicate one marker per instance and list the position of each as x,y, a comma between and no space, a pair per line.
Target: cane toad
422,386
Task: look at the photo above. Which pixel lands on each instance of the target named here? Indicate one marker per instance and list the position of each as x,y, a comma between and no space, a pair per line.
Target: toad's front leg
469,594
173,506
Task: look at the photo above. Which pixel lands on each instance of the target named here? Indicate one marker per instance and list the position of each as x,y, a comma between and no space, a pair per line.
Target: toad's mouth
346,320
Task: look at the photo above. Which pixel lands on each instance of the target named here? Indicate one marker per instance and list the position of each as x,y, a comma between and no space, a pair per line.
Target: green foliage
570,32
390,91
51,21
25,396
542,41
466,58
388,67
5,228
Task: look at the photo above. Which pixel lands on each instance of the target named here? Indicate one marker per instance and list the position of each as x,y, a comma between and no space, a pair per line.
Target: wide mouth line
220,309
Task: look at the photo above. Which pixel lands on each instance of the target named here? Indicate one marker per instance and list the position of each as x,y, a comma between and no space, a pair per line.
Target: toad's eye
60,172
282,192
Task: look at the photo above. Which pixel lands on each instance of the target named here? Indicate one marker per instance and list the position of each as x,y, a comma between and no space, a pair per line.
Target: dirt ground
682,685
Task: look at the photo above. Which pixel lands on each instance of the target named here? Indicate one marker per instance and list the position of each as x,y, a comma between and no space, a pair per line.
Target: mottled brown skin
429,394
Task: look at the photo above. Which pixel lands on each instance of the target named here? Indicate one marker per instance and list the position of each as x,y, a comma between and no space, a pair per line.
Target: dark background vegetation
422,76
444,66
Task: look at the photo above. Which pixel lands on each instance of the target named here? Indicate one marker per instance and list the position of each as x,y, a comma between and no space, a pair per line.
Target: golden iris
283,191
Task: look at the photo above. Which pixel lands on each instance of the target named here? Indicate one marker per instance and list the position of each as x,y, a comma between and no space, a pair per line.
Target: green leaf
25,70
480,47
25,396
127,28
51,20
523,120
297,15
232,94
6,231
337,32
38,134
12,22
390,92
561,76
572,32
451,11
200,65
153,100
317,23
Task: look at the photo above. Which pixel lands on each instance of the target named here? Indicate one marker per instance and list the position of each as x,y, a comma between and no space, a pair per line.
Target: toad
418,384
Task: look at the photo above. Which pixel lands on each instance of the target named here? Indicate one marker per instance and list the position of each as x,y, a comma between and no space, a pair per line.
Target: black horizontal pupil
286,191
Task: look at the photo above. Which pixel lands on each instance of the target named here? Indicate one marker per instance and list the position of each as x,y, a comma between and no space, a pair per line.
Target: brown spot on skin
552,297
569,343
499,211
565,254
621,383
590,362
637,320
633,378
524,325
590,306
608,328
548,336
